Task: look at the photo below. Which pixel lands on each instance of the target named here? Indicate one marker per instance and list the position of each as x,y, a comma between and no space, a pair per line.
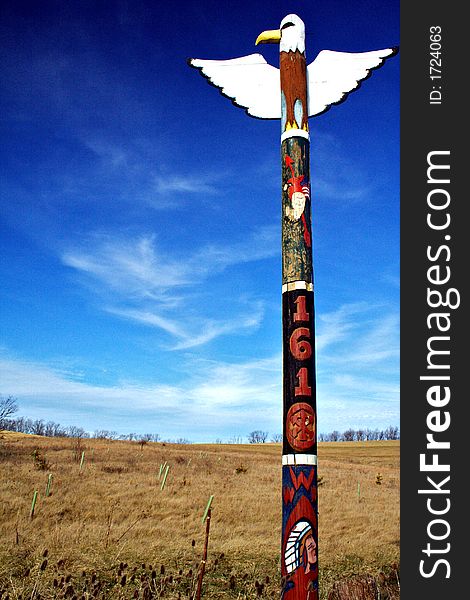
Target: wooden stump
355,588
367,587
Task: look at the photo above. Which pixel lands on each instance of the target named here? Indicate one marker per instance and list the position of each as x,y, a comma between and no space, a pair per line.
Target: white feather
332,75
249,81
253,84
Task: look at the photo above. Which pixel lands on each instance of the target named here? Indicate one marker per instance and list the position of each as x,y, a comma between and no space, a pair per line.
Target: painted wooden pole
299,541
292,94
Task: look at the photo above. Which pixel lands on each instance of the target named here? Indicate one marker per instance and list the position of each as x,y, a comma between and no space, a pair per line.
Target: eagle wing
249,81
333,75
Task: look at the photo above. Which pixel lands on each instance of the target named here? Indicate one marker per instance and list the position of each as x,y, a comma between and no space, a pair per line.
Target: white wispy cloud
111,154
380,343
358,367
132,266
184,183
262,243
215,398
342,190
336,325
131,171
135,280
372,332
189,334
253,386
136,265
343,178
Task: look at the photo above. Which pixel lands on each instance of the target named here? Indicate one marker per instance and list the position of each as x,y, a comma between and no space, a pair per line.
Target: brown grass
112,521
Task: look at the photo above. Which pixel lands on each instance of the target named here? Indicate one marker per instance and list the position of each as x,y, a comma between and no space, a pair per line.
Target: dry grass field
108,530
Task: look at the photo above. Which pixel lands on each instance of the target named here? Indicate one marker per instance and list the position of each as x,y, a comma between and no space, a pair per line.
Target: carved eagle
267,92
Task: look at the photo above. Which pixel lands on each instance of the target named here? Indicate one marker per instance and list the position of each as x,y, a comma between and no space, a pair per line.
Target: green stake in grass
82,459
207,508
165,476
358,491
33,504
49,484
207,518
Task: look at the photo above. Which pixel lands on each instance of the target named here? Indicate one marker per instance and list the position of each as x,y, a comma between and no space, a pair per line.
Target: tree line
8,422
361,435
53,429
350,435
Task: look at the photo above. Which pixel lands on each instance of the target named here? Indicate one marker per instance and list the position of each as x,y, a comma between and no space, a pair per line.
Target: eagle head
290,35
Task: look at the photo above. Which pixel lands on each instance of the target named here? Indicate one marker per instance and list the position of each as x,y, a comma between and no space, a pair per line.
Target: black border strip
426,128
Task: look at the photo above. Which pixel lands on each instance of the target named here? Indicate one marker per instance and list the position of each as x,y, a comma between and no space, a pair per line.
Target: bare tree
257,437
391,433
38,427
348,435
76,432
8,407
51,428
27,426
375,435
104,434
276,438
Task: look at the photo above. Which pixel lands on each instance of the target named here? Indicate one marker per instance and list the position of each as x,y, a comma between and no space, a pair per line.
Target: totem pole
292,94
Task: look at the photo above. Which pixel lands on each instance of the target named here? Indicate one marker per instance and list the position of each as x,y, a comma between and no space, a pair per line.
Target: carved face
311,551
298,205
300,427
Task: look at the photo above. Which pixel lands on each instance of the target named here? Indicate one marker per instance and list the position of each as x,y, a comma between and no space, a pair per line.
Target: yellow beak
269,37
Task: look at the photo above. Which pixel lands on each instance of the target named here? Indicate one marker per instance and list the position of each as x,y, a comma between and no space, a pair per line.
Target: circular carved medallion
300,426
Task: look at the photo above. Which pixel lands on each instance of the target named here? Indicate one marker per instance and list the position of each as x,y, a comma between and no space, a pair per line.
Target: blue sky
140,221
